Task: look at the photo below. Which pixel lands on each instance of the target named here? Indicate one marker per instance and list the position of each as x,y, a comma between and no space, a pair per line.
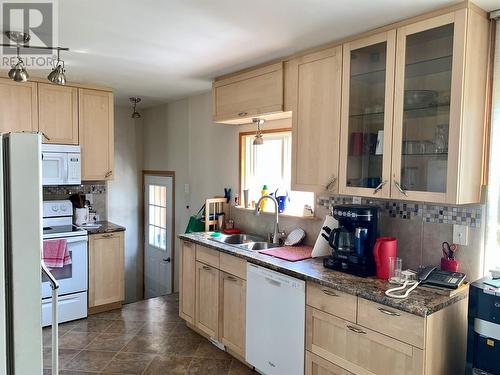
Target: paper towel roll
322,247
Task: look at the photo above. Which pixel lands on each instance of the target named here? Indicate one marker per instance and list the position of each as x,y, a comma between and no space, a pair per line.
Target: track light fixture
57,75
134,101
19,73
258,140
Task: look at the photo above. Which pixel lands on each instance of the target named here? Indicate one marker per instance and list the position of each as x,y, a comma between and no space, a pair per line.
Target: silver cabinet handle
401,190
231,278
241,114
109,173
388,312
379,187
329,293
330,184
356,330
207,268
45,136
109,235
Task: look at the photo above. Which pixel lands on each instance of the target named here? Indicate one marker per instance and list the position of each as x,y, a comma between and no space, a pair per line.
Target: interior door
158,200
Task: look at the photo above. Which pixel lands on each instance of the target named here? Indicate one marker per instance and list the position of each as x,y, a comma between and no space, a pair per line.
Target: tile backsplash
97,189
469,215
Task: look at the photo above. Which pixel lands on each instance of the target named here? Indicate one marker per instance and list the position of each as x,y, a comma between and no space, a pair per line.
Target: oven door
54,168
72,278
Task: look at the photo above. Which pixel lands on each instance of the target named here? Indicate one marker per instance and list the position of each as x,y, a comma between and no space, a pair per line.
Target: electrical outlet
356,200
460,234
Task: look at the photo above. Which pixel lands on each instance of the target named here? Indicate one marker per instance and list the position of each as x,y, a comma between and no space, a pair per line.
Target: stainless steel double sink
244,241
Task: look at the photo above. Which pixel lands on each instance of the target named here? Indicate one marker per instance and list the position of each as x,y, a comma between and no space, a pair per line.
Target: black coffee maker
353,241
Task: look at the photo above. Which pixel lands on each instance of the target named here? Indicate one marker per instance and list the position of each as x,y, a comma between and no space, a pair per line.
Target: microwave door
54,168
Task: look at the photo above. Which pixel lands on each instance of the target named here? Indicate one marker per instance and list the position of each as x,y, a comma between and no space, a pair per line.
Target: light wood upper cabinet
106,269
439,108
18,106
313,94
96,134
255,93
187,278
58,113
232,312
207,299
367,104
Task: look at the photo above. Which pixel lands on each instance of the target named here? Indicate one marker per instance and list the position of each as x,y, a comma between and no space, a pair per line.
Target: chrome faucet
277,235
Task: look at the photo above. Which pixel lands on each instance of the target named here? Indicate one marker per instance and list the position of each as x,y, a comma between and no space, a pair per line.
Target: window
270,164
158,216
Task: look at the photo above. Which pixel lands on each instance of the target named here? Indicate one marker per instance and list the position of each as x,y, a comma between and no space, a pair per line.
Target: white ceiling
164,50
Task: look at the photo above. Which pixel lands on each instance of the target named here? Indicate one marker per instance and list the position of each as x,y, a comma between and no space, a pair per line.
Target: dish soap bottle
263,203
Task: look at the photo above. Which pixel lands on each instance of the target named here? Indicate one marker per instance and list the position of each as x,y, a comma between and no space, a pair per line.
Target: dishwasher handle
273,282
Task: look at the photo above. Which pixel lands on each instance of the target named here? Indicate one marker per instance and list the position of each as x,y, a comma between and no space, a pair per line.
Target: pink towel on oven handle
56,253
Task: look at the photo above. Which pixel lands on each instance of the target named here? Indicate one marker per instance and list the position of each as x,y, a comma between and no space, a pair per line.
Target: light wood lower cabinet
316,365
232,312
207,299
106,270
358,349
187,277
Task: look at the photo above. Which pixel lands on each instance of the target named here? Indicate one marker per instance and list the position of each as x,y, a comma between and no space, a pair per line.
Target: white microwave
61,165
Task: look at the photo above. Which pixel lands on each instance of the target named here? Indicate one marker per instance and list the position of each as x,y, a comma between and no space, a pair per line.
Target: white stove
72,278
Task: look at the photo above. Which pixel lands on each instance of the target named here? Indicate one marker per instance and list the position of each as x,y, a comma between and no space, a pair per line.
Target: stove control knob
63,208
54,208
335,212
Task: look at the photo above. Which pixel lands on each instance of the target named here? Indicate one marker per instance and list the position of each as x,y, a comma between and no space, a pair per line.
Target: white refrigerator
20,254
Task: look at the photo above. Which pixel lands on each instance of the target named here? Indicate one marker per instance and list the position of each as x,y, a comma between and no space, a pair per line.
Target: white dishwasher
275,322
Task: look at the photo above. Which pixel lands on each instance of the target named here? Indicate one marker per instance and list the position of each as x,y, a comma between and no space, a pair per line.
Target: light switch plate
460,234
356,200
186,188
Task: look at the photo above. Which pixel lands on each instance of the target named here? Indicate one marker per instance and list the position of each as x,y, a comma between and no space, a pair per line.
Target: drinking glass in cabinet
366,115
427,85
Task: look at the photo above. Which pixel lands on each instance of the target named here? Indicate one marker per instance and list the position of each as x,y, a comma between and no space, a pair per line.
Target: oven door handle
69,240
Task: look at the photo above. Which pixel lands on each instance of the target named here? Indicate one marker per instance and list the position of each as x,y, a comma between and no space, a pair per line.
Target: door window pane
157,216
426,111
366,116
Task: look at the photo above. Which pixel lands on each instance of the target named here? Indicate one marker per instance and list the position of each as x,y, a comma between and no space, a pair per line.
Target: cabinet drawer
358,349
392,322
315,365
332,301
207,256
233,265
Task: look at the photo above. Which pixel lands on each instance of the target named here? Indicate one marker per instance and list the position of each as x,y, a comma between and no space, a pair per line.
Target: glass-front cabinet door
367,114
427,109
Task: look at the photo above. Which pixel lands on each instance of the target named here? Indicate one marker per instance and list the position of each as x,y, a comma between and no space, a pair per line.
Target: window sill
314,218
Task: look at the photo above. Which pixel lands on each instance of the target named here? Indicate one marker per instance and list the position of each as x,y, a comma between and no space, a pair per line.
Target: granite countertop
106,227
421,302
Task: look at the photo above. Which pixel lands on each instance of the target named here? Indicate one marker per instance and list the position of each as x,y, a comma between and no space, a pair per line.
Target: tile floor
146,337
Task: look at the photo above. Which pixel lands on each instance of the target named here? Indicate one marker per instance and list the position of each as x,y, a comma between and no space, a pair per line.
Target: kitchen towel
56,253
322,247
291,253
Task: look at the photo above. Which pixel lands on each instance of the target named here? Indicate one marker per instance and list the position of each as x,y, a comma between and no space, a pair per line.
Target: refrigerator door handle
55,325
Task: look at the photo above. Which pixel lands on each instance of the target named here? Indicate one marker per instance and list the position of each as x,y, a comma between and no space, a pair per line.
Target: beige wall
124,196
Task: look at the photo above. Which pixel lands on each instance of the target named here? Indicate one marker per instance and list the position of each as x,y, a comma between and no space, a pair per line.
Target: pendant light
134,101
258,140
57,75
18,72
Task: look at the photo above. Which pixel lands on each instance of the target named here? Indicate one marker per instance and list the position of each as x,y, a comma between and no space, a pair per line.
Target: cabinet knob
379,187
